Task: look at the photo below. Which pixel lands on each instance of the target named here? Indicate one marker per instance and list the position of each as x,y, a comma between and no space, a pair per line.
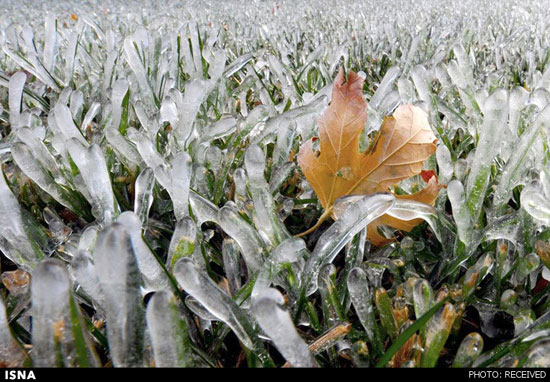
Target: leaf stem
323,217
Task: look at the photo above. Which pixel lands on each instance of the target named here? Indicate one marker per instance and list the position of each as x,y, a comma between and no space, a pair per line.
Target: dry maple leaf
398,152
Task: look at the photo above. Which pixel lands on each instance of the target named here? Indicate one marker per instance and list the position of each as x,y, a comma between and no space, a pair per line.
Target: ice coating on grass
143,115
143,198
494,124
56,320
385,86
463,62
268,74
538,355
180,180
16,85
437,332
470,348
267,221
407,210
280,175
515,167
76,105
203,209
50,42
423,297
195,91
41,153
289,251
91,163
65,122
152,274
120,89
248,239
420,78
11,352
277,324
445,164
183,241
518,100
24,156
361,299
15,242
132,56
31,62
285,139
535,201
230,255
355,217
274,124
85,274
461,213
221,128
148,152
125,150
169,337
195,282
120,281
50,304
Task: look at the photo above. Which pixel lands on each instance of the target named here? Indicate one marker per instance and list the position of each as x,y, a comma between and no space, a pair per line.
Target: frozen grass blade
494,123
169,332
120,280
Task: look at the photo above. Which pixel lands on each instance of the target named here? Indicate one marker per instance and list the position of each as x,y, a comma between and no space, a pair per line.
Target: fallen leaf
398,152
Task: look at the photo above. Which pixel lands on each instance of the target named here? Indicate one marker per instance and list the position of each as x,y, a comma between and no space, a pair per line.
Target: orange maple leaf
398,152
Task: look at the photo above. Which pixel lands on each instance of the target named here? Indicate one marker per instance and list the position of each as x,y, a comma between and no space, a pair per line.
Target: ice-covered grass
150,195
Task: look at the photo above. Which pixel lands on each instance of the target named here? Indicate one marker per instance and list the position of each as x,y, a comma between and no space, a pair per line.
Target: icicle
195,92
133,58
280,175
408,210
